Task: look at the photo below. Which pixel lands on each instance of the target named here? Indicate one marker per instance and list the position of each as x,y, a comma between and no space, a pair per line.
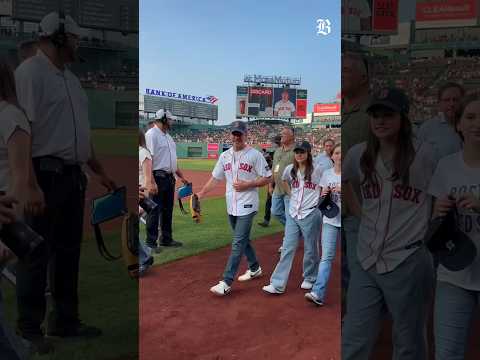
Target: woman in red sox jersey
395,270
457,293
302,181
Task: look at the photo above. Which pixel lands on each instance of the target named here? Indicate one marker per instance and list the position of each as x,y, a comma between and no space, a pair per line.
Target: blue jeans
280,207
241,226
329,244
454,310
143,253
309,228
350,264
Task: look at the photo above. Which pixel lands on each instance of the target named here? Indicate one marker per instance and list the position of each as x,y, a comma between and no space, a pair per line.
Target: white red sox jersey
284,108
304,195
453,177
394,216
245,165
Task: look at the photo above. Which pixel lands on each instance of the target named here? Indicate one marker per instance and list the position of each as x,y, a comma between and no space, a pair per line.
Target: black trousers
164,211
268,208
56,262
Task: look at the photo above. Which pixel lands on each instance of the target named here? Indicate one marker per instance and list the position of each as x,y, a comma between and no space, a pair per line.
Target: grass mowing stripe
197,164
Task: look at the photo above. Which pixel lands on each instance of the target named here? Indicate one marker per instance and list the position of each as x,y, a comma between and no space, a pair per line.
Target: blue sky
206,47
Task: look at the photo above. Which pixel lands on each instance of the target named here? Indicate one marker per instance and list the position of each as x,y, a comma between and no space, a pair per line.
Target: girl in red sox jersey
395,270
302,181
457,293
330,183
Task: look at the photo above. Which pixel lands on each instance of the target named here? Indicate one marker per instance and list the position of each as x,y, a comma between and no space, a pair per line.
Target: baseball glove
195,208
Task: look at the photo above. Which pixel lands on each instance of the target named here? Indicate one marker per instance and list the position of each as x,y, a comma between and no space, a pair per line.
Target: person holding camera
57,109
164,157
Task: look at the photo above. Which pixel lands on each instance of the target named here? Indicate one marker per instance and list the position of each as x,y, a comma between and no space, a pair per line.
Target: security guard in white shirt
164,157
57,108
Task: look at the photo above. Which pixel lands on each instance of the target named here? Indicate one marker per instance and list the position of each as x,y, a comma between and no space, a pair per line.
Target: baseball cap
161,113
238,126
328,208
51,23
304,145
392,98
455,250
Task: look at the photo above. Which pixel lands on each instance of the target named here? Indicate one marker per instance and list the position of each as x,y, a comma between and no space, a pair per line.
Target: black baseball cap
455,250
304,145
391,98
238,126
328,207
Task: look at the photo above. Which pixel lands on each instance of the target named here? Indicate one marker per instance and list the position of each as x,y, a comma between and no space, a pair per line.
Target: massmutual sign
210,99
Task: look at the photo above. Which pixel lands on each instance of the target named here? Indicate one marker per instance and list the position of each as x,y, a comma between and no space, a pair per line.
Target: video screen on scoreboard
268,102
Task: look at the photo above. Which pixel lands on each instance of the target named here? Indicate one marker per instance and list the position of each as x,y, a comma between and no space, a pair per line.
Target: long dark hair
402,160
141,139
7,83
308,168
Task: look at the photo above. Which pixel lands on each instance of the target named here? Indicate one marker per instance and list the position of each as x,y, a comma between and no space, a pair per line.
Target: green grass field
115,142
197,164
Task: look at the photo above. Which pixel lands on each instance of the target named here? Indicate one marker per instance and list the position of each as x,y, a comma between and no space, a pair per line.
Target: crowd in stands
422,78
125,79
258,134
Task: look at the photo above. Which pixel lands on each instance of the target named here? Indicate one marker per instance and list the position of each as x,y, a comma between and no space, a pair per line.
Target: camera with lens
20,238
148,205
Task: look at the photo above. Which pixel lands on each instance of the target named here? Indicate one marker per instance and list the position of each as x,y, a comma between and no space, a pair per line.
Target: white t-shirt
245,165
453,177
331,179
143,154
11,119
304,195
395,217
57,108
284,108
163,150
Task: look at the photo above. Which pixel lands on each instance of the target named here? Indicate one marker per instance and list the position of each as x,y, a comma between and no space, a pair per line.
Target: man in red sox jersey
244,169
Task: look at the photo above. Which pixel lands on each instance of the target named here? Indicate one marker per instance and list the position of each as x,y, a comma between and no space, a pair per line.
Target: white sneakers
221,289
249,275
306,285
271,289
313,298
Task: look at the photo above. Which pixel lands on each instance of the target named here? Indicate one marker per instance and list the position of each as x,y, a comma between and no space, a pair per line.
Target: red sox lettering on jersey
304,194
400,192
245,165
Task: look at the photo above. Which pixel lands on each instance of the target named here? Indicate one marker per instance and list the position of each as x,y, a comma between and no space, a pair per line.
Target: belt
162,173
55,165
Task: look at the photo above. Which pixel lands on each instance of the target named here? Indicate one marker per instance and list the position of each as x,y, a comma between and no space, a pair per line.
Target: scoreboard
114,15
181,108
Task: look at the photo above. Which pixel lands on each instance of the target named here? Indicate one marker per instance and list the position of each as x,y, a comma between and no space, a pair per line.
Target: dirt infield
180,318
